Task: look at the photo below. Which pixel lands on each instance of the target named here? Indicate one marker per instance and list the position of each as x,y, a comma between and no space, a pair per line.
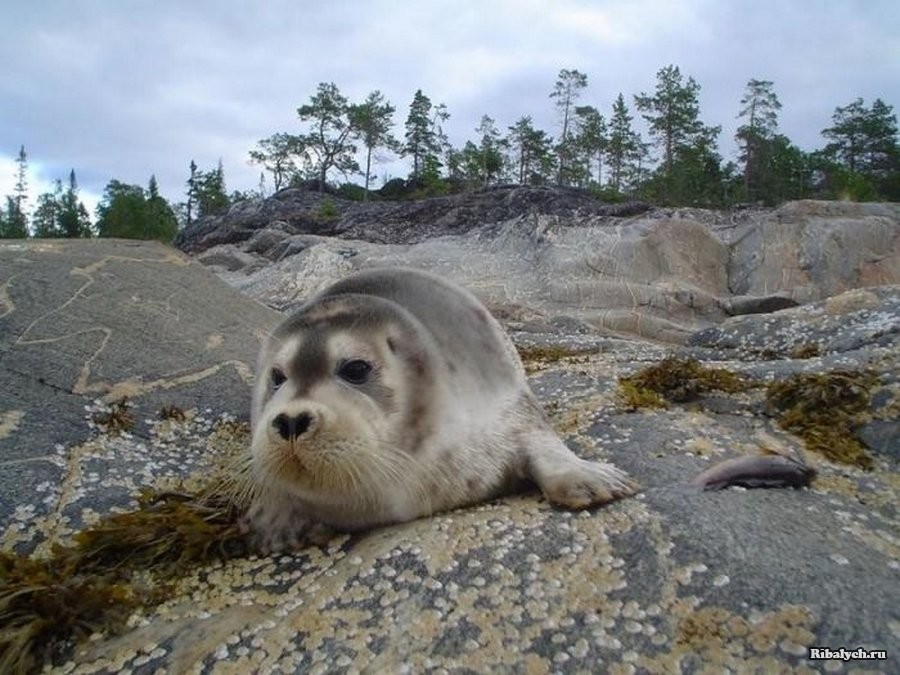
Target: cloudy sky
126,89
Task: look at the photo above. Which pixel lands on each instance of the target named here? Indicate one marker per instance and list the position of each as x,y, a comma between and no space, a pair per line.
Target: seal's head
337,407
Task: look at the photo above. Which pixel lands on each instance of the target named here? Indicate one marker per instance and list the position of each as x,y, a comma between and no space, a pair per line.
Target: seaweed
676,380
534,357
125,562
824,409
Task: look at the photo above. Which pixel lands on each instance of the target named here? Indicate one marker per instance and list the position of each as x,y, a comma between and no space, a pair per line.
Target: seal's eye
277,377
355,372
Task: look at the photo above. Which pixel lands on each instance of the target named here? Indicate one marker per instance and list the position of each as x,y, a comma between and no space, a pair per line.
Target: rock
671,579
623,269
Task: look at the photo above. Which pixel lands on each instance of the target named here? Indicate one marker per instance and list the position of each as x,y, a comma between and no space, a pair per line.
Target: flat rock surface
671,580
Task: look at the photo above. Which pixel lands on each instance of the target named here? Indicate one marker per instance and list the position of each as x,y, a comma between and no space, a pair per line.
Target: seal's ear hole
356,371
392,345
277,377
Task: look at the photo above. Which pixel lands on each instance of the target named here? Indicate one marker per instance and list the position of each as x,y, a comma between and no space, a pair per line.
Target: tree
127,211
206,191
623,145
276,155
864,140
330,139
425,137
759,108
566,91
489,150
14,222
74,221
45,219
191,194
532,152
591,138
372,121
672,114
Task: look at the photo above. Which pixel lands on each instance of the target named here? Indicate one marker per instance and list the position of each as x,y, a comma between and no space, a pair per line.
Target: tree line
677,163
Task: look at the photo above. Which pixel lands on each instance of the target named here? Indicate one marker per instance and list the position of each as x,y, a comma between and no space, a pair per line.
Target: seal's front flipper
569,481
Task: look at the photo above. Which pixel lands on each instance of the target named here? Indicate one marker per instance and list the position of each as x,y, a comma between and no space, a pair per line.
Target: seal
395,394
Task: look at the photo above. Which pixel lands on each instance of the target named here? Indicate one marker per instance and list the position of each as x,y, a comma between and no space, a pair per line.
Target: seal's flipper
569,481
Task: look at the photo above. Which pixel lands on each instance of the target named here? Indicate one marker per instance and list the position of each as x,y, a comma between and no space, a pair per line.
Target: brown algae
676,380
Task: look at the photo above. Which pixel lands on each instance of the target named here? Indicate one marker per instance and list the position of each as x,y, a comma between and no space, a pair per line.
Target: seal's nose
292,427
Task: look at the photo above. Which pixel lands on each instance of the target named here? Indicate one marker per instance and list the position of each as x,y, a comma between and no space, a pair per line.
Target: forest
675,162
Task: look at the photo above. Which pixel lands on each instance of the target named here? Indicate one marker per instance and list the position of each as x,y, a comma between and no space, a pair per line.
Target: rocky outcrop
560,254
298,211
672,580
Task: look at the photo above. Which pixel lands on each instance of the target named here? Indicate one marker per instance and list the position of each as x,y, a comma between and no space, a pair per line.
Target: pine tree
566,91
73,219
14,223
760,106
276,154
130,212
673,115
210,196
591,138
425,138
45,219
623,145
330,139
191,193
533,152
372,121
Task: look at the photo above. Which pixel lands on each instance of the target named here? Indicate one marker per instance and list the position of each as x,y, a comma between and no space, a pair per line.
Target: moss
676,380
118,419
824,409
95,584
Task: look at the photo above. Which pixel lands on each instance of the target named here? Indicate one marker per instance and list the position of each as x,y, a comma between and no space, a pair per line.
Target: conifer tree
623,145
372,121
425,139
330,139
566,91
759,109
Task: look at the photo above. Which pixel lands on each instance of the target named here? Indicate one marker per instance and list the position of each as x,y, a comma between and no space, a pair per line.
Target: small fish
756,471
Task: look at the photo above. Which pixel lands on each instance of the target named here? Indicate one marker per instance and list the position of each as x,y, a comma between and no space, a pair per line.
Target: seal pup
394,394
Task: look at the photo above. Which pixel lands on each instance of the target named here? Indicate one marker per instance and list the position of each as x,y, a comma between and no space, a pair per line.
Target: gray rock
669,581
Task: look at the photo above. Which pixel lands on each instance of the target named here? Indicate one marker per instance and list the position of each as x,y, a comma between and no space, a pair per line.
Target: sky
126,89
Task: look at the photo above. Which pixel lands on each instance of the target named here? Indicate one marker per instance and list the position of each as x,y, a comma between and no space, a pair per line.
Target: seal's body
394,394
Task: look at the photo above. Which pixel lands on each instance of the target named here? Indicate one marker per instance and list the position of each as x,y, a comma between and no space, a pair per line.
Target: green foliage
329,141
328,210
532,153
277,155
760,106
61,214
673,115
372,121
128,212
481,164
864,144
425,138
206,192
624,148
567,90
591,139
13,223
